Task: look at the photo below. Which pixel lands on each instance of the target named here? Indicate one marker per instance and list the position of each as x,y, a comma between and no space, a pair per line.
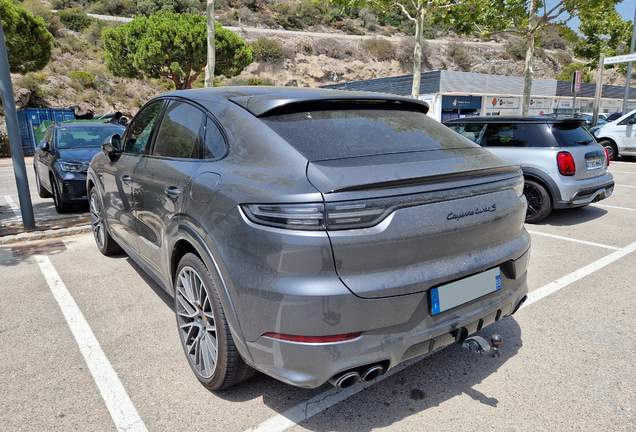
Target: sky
625,9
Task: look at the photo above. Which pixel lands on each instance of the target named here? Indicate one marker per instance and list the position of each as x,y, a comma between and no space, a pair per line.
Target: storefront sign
503,103
461,102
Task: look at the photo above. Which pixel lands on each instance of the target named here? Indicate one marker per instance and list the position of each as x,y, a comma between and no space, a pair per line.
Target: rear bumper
311,365
588,195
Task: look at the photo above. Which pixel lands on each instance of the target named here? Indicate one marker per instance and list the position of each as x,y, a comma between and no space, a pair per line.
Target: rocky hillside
77,77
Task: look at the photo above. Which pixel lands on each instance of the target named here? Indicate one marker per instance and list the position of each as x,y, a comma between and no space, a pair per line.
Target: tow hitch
482,346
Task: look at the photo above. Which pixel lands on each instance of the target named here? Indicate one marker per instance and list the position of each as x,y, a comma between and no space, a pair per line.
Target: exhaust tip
345,380
372,373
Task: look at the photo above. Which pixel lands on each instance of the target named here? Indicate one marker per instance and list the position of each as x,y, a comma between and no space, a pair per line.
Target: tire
105,243
60,207
203,330
42,192
539,201
611,149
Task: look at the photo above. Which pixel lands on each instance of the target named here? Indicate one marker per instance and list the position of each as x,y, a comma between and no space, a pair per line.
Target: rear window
324,131
571,134
85,136
512,135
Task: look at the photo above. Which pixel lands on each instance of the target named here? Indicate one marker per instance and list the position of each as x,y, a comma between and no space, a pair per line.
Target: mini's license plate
462,291
594,163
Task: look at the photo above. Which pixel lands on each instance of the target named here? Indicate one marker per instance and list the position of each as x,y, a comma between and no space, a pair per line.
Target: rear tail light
567,167
314,339
339,216
607,156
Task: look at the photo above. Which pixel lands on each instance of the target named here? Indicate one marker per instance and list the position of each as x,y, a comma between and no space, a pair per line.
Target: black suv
563,165
62,157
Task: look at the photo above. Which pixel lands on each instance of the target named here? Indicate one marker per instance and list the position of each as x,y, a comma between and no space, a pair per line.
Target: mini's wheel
539,201
612,150
60,206
104,241
42,192
203,330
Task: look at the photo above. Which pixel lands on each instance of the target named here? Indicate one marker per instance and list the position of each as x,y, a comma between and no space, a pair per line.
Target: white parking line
573,240
624,186
622,172
321,402
121,408
566,280
14,207
614,207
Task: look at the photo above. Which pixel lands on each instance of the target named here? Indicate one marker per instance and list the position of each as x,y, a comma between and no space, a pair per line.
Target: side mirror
112,145
44,145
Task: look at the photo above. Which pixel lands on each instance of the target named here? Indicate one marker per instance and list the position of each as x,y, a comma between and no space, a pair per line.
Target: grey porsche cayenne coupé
311,235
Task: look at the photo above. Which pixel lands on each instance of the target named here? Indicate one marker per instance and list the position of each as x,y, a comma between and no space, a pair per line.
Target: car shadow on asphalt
434,379
573,216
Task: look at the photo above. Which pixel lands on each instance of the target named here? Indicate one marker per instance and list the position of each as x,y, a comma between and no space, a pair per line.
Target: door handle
173,192
126,179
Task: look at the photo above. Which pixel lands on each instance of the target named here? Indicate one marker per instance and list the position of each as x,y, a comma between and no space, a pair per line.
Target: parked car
619,136
562,164
61,160
313,235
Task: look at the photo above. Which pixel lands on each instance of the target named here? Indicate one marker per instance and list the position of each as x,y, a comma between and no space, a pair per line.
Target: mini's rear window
325,131
571,134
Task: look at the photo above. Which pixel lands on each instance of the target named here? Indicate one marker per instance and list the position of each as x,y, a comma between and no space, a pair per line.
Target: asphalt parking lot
89,343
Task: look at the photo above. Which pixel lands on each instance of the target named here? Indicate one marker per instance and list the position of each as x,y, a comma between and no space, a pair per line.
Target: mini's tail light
290,216
567,167
314,339
607,156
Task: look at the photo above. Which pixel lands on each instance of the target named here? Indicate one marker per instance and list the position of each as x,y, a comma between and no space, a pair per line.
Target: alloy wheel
534,198
97,220
196,321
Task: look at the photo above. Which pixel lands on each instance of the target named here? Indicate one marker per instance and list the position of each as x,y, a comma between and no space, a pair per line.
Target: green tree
527,18
566,75
605,32
174,46
416,11
27,40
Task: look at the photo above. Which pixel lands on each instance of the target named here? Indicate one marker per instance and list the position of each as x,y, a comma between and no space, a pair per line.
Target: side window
137,134
512,135
214,142
472,131
180,134
628,120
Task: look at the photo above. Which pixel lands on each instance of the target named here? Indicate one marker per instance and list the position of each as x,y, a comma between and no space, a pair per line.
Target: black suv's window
570,134
138,132
324,131
180,134
512,135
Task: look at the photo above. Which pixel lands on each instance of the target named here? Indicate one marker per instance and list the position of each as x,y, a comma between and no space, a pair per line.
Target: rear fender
539,176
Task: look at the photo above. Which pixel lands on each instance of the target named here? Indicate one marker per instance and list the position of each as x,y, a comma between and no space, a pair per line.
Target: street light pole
11,117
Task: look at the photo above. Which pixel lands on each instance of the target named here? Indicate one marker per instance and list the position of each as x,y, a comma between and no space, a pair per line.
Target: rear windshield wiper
584,142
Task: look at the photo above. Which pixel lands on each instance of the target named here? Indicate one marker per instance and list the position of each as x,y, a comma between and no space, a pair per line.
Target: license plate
462,291
594,164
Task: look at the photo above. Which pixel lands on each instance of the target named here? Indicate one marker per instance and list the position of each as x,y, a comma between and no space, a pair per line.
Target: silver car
563,165
312,235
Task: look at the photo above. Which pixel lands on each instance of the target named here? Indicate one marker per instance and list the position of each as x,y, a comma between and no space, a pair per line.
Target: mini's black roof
515,119
259,100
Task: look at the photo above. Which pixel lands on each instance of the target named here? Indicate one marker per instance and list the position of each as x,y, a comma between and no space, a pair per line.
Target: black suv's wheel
203,329
539,201
60,207
612,150
42,192
104,241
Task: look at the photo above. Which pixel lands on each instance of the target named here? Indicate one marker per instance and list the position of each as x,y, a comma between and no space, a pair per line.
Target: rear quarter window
326,131
472,131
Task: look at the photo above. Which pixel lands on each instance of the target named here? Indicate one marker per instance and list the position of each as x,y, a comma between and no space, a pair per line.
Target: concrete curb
44,235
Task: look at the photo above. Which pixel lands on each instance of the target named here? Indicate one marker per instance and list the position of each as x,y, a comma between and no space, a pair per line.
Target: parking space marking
616,185
566,280
14,207
321,402
121,408
573,240
622,172
614,207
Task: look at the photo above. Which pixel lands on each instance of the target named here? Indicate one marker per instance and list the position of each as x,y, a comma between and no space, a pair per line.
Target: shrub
379,49
268,51
311,12
563,58
84,78
350,28
251,82
369,19
333,16
460,55
75,19
516,48
287,17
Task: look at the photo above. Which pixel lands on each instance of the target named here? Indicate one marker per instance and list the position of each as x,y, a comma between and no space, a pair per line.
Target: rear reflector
313,339
567,167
